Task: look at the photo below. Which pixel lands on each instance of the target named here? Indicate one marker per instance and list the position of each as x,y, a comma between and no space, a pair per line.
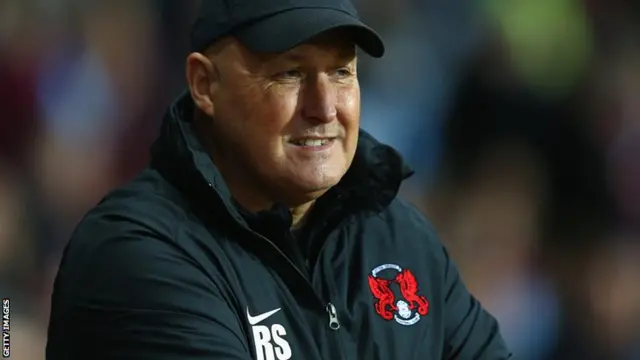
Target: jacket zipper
334,323
333,316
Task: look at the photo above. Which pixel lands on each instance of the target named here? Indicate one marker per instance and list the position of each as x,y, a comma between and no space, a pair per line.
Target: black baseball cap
273,26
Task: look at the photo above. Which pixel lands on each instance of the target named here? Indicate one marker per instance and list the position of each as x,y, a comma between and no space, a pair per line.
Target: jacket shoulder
126,285
410,222
403,230
135,229
145,210
148,203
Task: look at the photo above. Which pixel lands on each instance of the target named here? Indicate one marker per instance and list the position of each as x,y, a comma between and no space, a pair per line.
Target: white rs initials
269,341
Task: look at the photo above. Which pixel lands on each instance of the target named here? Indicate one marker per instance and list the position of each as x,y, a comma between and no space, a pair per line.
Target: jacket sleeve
470,331
141,298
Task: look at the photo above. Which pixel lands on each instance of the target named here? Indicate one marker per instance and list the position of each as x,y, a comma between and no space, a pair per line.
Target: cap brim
286,30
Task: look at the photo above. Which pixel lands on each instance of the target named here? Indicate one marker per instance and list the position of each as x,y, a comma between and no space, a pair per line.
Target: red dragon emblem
385,306
405,311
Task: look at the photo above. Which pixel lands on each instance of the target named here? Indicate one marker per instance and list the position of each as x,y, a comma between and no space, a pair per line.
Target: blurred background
521,118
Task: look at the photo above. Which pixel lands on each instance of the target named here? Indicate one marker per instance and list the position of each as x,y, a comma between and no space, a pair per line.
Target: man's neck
300,214
254,204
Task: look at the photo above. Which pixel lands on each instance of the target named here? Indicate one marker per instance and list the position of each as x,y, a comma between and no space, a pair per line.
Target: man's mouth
312,142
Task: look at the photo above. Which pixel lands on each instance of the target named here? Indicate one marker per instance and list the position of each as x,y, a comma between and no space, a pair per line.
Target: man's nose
319,99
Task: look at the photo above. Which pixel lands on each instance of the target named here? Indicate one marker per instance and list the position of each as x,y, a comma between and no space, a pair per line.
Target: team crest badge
406,310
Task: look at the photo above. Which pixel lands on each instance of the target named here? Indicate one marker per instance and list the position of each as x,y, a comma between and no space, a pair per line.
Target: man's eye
343,72
290,74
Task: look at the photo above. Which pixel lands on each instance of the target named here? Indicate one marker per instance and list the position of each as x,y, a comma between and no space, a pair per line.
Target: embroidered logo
406,311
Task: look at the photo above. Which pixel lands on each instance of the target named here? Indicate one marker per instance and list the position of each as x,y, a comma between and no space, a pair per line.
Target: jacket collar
372,182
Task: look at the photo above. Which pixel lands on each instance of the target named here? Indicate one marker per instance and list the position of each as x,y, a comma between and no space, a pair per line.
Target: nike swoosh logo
256,319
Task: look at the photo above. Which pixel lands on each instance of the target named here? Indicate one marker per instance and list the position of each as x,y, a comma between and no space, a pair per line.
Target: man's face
291,119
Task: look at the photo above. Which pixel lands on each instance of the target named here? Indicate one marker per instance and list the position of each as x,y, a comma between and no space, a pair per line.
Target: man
267,225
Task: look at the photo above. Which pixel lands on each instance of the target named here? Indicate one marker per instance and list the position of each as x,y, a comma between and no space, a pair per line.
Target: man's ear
202,80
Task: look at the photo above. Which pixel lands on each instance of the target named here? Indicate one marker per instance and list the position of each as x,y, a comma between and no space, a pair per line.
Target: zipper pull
334,324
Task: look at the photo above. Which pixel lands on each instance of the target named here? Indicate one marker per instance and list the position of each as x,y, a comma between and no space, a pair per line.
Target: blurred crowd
521,118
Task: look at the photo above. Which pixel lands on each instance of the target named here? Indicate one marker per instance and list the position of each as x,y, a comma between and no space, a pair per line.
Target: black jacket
168,267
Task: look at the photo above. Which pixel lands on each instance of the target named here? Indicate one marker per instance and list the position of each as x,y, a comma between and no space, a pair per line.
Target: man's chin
315,181
302,191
